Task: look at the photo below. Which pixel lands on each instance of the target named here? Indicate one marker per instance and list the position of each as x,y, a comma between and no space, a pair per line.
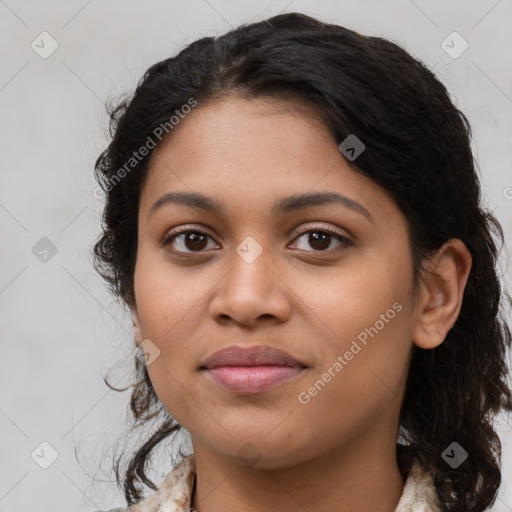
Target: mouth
249,370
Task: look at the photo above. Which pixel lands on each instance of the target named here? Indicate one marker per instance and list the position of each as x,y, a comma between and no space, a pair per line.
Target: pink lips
247,370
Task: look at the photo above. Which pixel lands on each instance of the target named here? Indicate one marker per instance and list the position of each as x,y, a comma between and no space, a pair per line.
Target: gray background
60,330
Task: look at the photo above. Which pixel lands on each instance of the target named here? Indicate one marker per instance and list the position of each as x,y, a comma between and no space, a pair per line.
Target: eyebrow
281,207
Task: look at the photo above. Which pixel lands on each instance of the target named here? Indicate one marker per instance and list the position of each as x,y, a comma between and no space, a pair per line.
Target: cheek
352,298
169,306
167,296
364,315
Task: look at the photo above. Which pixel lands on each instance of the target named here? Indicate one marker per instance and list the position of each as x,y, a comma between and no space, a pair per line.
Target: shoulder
419,493
175,492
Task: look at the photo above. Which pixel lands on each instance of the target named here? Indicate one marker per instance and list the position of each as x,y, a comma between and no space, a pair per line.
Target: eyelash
344,242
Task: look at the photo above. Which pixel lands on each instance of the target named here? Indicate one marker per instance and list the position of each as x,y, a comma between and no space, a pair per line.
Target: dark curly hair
417,147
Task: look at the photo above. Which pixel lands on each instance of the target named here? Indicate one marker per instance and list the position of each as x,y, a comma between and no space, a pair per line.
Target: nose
251,291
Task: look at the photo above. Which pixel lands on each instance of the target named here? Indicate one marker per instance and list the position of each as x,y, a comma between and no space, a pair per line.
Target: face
327,282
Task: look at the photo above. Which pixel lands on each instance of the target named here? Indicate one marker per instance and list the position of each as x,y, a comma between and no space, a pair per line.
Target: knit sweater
175,492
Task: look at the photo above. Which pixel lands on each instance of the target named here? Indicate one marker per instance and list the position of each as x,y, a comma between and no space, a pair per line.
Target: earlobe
441,292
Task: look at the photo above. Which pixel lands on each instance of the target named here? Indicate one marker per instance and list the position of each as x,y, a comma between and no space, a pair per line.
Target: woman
293,218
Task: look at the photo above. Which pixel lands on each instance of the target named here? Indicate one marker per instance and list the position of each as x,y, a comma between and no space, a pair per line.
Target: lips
247,370
260,355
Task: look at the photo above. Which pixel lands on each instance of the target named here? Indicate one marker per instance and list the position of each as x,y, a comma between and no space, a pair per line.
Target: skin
326,454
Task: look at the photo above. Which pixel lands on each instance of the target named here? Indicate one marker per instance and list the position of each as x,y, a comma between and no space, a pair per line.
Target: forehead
249,152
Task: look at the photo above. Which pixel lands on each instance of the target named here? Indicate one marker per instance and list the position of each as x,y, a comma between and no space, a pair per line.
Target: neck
359,477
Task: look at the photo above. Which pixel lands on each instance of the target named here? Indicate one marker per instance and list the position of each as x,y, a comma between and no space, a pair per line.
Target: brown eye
195,241
321,240
187,241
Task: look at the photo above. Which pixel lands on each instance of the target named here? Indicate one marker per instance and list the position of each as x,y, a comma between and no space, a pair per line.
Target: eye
190,240
321,238
187,238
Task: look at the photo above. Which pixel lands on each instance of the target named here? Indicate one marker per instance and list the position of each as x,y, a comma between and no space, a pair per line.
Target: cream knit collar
175,492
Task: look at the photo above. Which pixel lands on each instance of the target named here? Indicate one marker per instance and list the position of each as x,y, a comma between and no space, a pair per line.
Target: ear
137,335
440,293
